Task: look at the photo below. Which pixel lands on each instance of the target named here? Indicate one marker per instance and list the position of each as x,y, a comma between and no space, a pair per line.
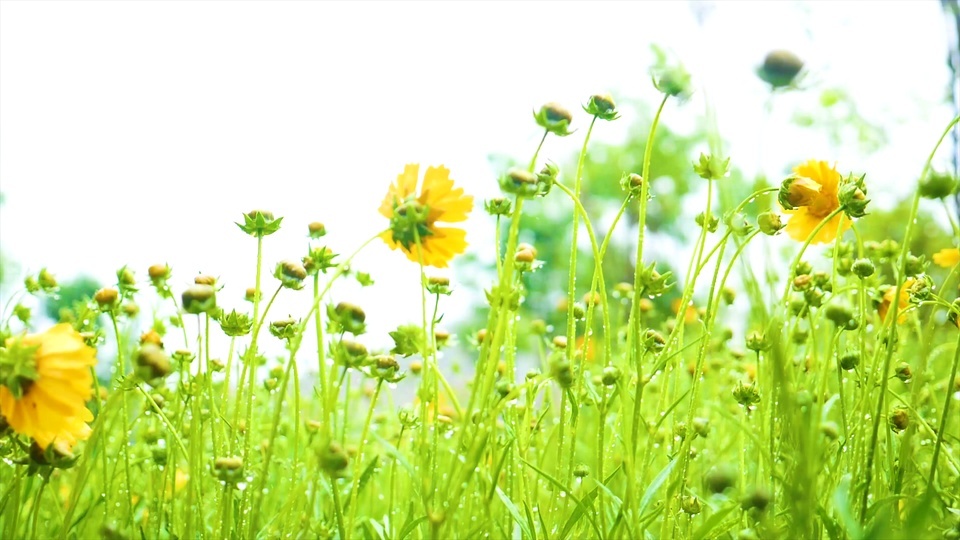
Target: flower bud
757,341
797,191
152,363
654,341
770,223
106,298
199,299
903,372
863,268
711,168
235,324
839,313
205,280
291,274
720,479
47,281
849,360
611,374
228,469
602,106
520,182
260,223
690,505
899,420
284,328
780,68
756,499
316,230
498,206
158,273
581,471
554,118
937,185
350,317
438,285
632,183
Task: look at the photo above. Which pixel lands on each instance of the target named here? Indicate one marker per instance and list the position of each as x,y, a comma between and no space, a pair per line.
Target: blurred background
136,133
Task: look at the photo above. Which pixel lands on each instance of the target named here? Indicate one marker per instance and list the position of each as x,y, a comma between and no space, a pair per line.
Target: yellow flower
812,192
46,384
413,218
947,258
887,301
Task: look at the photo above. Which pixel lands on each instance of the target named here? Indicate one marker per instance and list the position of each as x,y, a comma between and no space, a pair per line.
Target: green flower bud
498,206
712,168
235,324
937,185
581,471
757,341
899,420
260,223
654,341
611,374
199,299
228,470
107,298
284,328
849,360
152,363
520,182
602,106
690,505
903,372
863,268
756,499
561,371
316,230
47,281
746,394
720,479
554,118
780,68
839,313
348,317
770,223
915,265
632,184
439,285
291,274
853,197
712,223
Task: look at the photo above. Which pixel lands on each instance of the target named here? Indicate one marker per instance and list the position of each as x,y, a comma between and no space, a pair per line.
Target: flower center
409,224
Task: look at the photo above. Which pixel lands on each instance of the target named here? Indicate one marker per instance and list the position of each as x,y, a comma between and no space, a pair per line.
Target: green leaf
655,485
514,513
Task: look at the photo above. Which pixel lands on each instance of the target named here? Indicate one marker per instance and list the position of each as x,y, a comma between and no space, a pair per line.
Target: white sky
138,132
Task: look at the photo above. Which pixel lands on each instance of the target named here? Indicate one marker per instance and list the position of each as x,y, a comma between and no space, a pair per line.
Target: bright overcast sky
137,132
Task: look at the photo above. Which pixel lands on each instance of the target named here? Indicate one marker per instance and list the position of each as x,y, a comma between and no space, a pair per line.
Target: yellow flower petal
53,408
947,258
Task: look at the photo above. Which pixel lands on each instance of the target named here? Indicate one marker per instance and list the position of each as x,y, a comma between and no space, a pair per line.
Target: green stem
891,321
358,463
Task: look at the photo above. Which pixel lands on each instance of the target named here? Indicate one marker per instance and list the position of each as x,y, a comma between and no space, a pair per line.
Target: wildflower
947,258
887,300
810,195
45,382
413,218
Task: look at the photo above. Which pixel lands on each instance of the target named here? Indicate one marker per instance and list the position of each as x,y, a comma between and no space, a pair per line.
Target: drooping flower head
45,382
809,196
414,217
